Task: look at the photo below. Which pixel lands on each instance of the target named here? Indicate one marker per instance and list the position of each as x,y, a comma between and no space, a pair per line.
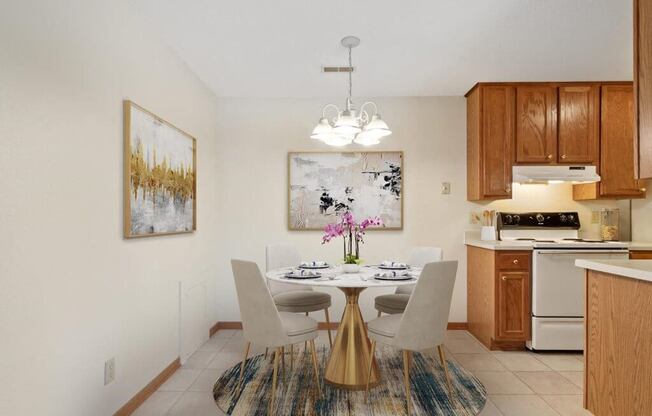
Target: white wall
73,292
255,136
642,217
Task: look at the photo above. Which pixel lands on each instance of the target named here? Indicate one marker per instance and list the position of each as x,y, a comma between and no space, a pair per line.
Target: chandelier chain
350,72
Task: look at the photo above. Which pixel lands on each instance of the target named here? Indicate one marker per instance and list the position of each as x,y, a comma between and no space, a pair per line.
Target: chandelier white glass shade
347,126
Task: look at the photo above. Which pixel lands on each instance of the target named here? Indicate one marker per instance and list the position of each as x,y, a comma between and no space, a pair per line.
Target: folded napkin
302,272
391,274
313,264
394,264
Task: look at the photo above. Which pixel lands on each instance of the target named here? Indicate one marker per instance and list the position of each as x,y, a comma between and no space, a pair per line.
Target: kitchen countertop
634,246
635,269
499,245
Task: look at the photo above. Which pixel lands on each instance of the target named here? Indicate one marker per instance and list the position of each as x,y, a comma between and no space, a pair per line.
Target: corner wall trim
148,390
322,325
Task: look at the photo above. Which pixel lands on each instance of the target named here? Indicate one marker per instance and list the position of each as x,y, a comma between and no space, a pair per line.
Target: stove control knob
508,219
562,218
517,219
571,218
540,218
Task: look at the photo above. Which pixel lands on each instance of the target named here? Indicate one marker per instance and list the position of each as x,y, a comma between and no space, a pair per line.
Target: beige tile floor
518,383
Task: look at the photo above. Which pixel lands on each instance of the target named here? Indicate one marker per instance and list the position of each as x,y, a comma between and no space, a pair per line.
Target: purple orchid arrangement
352,233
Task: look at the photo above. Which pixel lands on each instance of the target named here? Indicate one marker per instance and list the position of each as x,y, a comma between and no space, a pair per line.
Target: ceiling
261,48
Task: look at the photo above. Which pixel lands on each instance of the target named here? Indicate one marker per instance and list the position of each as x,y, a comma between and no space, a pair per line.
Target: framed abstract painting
160,176
324,184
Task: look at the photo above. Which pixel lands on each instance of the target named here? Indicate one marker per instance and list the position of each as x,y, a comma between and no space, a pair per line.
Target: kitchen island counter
618,337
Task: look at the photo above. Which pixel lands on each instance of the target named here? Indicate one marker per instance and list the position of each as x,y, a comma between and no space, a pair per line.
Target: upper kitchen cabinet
616,166
536,124
579,124
490,138
643,86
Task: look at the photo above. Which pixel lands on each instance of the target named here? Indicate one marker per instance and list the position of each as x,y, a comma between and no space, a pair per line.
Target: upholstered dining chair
423,324
396,302
264,325
294,298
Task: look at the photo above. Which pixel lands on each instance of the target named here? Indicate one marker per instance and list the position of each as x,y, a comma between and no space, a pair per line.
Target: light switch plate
445,188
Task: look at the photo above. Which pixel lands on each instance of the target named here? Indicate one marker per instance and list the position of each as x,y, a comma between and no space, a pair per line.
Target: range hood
552,174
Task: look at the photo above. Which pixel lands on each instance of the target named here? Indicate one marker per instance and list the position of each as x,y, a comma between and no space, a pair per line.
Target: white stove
557,285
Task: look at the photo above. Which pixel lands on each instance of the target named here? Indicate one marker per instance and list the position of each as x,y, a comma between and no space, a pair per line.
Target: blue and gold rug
297,396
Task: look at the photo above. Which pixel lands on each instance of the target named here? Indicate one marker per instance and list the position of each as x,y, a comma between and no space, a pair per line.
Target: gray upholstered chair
423,324
396,302
264,325
294,298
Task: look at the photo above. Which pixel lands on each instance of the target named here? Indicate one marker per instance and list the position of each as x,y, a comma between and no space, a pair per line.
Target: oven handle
625,251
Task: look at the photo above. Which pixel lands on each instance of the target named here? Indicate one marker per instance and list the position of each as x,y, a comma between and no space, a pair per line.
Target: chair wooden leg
274,380
379,313
305,344
328,328
242,365
291,357
371,361
444,364
406,378
315,367
283,364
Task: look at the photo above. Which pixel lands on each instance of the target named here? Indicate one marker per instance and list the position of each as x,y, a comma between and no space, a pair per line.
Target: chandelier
348,126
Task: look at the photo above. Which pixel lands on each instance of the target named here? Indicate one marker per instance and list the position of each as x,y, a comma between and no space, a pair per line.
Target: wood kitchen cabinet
616,166
640,255
490,138
498,297
536,124
579,124
643,87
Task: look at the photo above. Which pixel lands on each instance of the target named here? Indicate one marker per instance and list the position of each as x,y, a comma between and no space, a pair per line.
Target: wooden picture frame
396,224
171,182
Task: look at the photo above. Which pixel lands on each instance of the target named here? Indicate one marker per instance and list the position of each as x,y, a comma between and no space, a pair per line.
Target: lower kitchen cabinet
499,297
640,255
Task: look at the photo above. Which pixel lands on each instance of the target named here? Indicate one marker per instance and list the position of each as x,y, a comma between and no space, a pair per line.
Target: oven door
558,285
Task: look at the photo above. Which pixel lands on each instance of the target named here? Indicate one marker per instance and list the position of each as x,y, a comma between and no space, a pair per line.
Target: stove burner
525,239
582,240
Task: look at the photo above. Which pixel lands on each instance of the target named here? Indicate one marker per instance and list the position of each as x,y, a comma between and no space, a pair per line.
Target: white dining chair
294,298
423,324
396,302
264,325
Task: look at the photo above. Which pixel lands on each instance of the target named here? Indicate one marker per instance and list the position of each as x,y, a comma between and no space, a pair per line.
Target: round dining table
348,361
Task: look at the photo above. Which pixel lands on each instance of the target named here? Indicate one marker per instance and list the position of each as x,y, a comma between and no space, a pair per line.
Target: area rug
298,396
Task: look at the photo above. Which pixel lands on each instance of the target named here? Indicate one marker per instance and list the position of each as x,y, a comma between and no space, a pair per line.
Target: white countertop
638,246
499,245
635,269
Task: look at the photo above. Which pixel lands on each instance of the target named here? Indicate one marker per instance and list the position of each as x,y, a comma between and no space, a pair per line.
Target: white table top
335,277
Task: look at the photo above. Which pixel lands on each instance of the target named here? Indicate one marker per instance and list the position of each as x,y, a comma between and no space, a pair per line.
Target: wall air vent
338,69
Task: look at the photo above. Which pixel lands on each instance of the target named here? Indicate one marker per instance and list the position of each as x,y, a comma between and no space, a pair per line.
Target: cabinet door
513,306
536,124
579,124
497,138
643,85
640,255
617,143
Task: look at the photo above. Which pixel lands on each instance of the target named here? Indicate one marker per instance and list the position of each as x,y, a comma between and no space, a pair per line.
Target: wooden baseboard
322,326
149,389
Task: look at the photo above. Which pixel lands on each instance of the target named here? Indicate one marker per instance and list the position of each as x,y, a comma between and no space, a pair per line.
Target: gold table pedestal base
348,363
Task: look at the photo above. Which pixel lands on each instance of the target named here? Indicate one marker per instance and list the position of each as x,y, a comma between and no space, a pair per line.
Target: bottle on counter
609,220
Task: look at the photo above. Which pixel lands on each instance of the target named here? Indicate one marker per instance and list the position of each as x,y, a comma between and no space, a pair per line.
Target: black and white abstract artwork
325,184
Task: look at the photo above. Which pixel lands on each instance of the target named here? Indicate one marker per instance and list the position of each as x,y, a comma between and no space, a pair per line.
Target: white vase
350,268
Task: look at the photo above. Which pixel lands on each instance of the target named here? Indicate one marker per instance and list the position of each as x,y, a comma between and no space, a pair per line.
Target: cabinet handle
512,278
643,189
563,156
549,157
515,261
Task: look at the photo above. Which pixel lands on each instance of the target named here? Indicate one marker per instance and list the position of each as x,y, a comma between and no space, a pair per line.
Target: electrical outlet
445,188
595,217
109,370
